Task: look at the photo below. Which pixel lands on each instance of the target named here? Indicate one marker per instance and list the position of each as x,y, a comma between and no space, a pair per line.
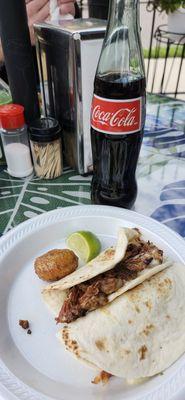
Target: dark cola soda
118,109
115,156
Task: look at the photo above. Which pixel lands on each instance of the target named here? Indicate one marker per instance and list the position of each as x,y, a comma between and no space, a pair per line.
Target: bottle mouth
131,2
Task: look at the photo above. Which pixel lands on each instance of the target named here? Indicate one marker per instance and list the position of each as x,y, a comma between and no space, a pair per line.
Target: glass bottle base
123,200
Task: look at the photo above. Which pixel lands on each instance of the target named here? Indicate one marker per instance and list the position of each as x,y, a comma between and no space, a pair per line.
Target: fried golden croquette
55,264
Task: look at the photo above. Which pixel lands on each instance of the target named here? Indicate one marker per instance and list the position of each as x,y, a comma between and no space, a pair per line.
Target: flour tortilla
137,335
55,294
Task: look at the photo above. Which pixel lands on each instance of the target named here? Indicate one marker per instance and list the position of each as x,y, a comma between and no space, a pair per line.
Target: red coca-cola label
116,116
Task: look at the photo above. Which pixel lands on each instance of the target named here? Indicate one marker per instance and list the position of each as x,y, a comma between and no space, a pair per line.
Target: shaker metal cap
45,129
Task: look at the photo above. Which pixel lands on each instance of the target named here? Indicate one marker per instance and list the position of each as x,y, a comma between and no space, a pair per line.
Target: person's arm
39,11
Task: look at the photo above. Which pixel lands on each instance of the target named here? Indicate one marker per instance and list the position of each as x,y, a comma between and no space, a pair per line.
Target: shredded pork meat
92,294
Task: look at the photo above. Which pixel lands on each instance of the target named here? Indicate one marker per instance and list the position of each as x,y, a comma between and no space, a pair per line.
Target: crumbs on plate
24,323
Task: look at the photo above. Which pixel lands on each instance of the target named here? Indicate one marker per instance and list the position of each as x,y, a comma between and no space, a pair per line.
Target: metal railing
164,75
159,71
151,33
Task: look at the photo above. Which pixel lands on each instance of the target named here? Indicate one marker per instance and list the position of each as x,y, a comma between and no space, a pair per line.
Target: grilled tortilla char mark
103,377
92,294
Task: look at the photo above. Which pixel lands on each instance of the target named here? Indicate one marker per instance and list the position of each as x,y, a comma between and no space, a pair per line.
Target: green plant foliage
169,6
175,51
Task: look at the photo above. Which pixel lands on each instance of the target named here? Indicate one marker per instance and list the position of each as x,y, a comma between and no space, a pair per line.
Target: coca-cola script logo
116,116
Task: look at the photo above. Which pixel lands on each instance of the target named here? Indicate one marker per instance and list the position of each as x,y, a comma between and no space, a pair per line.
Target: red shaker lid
12,116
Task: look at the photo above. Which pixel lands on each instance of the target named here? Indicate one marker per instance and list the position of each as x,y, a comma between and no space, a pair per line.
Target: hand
37,11
66,7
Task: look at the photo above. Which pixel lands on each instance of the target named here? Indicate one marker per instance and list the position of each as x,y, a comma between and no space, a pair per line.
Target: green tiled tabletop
160,176
22,199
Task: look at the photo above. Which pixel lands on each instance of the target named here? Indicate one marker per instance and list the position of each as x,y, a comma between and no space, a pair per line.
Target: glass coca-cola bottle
118,108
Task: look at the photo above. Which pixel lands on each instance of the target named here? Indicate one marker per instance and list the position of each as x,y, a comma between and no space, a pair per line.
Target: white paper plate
36,366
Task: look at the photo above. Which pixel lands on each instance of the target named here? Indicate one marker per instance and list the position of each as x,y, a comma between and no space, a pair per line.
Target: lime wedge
85,244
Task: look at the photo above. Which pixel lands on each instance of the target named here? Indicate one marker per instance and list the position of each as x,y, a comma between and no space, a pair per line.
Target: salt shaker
46,148
15,140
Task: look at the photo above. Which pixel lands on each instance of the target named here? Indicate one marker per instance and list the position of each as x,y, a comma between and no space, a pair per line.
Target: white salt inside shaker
15,140
18,159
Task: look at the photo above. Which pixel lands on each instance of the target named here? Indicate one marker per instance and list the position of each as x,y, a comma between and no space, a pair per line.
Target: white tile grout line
62,184
6,211
18,203
19,200
55,196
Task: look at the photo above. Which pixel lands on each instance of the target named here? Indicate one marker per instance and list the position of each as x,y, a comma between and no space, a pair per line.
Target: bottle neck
123,13
121,52
121,9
